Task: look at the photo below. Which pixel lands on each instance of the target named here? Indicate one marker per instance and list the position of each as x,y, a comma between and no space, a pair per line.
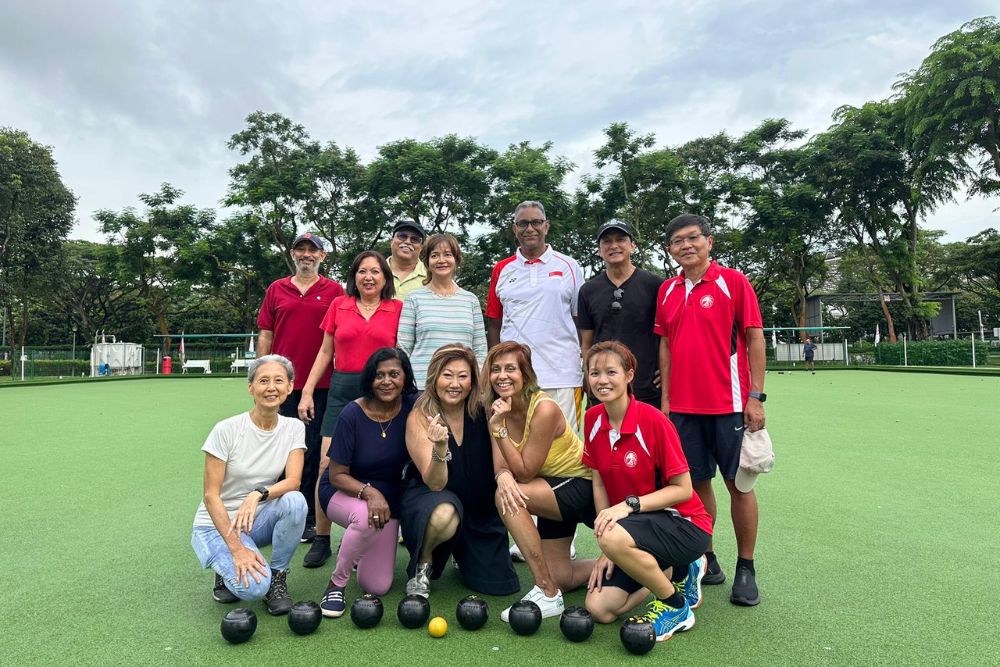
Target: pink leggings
373,550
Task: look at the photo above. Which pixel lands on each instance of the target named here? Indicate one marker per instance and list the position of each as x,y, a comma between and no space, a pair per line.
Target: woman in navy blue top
363,487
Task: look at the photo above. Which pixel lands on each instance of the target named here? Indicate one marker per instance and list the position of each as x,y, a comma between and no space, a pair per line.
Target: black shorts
479,545
710,441
575,497
673,541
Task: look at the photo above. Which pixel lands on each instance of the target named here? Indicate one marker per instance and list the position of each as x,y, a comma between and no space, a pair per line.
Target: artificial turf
877,545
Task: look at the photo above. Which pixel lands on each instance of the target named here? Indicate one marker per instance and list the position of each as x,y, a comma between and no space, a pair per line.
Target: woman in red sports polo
651,526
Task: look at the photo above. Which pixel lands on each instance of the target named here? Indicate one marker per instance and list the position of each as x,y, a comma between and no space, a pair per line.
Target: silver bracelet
362,489
437,457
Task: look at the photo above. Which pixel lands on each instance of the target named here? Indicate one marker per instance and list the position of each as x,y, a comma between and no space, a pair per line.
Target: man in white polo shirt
533,300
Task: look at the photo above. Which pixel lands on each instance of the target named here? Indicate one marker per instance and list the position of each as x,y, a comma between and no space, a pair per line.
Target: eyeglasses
403,237
616,305
692,239
523,224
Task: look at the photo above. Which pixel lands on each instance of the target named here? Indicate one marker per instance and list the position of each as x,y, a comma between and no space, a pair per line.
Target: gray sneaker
420,583
277,599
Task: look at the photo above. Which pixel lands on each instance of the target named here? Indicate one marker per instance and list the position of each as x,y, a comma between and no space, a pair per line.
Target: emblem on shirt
707,301
631,459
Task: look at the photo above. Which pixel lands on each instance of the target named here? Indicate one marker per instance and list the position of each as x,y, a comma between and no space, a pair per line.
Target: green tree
952,101
442,183
36,214
882,186
157,249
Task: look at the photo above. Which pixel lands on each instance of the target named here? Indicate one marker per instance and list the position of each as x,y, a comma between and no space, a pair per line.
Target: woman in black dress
448,506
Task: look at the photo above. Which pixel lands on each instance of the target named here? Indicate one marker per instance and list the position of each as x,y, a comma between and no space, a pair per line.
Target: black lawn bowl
239,625
637,635
366,612
472,612
305,617
525,618
576,624
413,611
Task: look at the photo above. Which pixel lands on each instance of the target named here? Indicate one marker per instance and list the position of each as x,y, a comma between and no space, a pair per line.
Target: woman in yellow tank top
537,459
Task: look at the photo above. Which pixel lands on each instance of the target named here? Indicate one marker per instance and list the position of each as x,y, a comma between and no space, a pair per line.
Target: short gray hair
529,203
267,359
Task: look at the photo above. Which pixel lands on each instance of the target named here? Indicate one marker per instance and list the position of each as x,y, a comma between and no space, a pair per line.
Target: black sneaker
308,533
333,604
319,552
745,588
714,574
222,594
277,599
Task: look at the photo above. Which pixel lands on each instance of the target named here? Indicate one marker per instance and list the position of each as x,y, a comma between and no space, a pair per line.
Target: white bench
239,365
203,364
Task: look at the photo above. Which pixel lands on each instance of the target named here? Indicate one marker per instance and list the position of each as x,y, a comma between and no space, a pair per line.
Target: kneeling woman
245,506
651,526
538,472
448,503
363,487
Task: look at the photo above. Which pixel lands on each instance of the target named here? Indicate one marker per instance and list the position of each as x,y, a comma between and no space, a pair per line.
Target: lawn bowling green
877,474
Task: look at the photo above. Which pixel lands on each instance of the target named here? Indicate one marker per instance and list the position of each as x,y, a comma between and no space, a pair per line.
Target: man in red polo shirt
289,322
712,360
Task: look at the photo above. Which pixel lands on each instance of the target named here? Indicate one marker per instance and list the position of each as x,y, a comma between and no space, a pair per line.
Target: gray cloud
130,95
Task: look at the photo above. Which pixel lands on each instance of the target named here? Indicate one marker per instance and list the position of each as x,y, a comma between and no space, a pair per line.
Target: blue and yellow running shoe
668,620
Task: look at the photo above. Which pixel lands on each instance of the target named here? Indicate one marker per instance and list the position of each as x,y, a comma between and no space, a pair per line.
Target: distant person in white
245,506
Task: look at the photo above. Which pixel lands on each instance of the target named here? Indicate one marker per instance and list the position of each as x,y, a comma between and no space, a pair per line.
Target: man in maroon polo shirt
289,322
712,360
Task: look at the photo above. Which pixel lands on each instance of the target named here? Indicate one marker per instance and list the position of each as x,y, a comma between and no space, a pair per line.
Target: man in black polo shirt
619,303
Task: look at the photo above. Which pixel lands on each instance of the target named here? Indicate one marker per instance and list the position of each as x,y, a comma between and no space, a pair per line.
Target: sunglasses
616,305
403,237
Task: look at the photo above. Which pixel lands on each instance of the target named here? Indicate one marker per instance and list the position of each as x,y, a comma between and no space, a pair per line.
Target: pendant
383,435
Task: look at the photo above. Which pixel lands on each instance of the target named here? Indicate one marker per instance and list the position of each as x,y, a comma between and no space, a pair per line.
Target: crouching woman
651,526
245,506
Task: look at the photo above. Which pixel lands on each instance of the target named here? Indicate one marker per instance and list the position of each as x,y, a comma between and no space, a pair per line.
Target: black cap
312,238
620,225
409,224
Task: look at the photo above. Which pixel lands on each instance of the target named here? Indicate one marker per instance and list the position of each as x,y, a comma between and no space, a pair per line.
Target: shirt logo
555,274
707,301
631,459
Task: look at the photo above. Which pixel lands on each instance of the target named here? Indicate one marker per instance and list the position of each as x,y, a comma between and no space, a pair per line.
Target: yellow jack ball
438,627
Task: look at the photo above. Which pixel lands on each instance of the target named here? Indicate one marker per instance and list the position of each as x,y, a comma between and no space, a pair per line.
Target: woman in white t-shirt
245,506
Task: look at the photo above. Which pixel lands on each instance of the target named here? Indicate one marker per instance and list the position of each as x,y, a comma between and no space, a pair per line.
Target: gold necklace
365,307
385,428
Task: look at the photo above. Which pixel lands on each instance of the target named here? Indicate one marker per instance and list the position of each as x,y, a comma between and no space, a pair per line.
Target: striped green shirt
429,321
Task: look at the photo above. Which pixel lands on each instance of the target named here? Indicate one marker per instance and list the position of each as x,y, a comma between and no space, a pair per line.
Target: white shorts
570,400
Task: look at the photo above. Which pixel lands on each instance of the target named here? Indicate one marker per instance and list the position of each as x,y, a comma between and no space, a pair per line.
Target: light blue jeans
278,523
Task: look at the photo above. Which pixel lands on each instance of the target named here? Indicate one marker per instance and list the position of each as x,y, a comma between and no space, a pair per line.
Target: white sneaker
550,606
572,548
515,554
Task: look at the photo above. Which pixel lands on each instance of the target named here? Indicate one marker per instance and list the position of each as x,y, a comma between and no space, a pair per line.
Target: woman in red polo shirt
357,324
651,526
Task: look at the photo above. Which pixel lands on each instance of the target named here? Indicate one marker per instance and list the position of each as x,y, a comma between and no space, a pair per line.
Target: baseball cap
756,457
312,238
410,224
620,225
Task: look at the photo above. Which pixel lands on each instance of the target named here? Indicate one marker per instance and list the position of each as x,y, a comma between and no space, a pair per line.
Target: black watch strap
264,493
633,503
759,395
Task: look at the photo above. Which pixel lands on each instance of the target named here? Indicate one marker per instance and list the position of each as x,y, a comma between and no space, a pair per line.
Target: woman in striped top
440,312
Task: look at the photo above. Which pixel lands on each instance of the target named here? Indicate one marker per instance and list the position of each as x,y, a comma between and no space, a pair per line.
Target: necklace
388,423
445,293
365,307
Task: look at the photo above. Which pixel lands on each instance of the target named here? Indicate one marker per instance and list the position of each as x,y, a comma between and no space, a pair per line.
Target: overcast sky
132,94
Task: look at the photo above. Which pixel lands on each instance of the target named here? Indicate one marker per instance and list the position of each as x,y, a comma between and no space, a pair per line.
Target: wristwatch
264,493
500,433
633,503
759,395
